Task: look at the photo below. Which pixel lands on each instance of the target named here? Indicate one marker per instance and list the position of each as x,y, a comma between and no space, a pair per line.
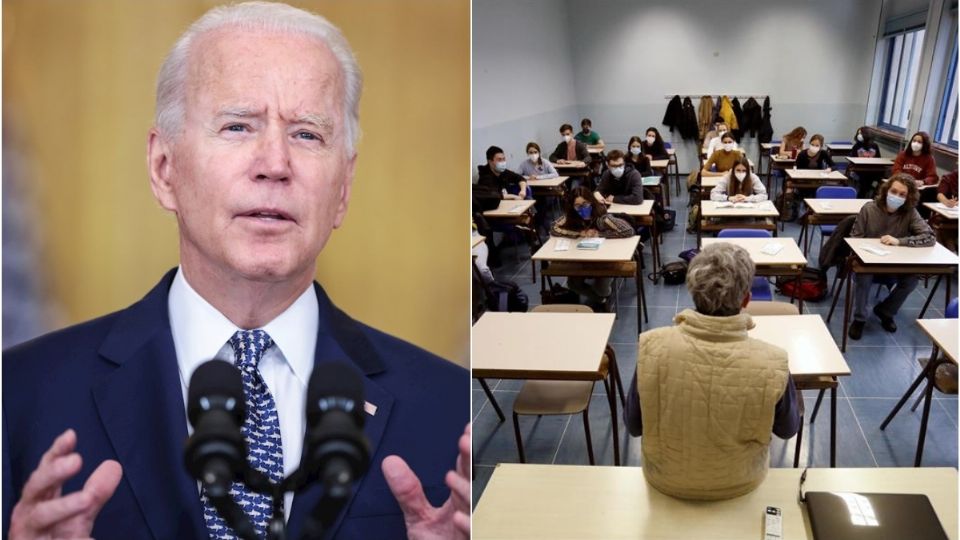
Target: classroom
637,168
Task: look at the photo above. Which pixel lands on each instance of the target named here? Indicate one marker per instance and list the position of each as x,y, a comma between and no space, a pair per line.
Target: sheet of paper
771,248
562,245
876,251
516,209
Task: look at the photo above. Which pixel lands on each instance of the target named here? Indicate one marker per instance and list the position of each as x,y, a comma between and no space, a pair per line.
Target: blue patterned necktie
261,431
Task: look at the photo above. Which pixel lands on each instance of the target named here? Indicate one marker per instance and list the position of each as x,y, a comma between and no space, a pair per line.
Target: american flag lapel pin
370,408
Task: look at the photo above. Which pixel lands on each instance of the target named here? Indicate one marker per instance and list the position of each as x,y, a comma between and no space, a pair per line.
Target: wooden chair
540,398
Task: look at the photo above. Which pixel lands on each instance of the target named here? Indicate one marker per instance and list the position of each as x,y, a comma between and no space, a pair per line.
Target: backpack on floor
813,285
506,296
558,294
674,273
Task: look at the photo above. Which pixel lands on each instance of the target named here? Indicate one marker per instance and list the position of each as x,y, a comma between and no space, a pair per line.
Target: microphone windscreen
334,385
215,383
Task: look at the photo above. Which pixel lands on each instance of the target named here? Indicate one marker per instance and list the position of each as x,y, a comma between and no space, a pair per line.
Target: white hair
719,278
257,17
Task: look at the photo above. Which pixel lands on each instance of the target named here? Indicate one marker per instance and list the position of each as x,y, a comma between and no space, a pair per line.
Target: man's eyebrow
242,112
318,120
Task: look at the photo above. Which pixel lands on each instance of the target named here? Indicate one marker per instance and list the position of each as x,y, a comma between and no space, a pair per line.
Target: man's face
898,189
260,175
566,133
497,158
614,163
585,128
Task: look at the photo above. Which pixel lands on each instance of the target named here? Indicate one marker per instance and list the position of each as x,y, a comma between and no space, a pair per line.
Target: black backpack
674,273
506,296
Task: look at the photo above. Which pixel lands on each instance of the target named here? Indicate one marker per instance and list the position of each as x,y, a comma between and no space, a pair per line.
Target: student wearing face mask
815,156
893,218
569,148
585,217
587,136
792,142
714,143
653,146
864,146
535,167
635,159
916,161
495,175
619,184
720,161
739,184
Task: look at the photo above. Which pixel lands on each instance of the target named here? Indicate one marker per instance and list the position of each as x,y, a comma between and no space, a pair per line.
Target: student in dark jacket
620,184
653,146
815,156
495,175
569,148
636,159
864,146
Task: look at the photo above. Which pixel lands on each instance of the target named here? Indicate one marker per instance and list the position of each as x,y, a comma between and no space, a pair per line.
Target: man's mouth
268,214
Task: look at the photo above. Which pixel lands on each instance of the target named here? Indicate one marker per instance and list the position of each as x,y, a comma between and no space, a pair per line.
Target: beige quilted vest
707,396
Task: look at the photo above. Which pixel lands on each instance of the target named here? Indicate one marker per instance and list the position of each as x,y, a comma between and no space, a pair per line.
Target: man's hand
609,199
950,203
889,240
591,233
423,521
43,512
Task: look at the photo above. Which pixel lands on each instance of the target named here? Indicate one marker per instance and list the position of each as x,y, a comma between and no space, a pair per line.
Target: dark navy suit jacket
115,380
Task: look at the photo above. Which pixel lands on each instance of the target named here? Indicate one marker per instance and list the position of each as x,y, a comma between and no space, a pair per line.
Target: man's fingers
46,480
459,491
49,513
406,488
62,445
462,522
102,483
463,461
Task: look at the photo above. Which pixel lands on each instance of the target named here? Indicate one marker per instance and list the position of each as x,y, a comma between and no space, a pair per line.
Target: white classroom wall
522,76
814,58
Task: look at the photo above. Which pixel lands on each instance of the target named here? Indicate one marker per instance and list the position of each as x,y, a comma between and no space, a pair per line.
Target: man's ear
345,190
160,167
746,300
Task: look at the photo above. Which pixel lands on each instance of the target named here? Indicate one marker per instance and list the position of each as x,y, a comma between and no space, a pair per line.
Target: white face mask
859,137
651,140
814,149
741,175
566,138
729,147
915,146
617,172
635,150
533,157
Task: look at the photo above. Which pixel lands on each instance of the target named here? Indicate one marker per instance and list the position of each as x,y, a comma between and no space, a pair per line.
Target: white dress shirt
202,333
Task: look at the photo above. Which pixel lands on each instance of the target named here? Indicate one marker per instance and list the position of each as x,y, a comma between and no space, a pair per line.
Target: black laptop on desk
872,516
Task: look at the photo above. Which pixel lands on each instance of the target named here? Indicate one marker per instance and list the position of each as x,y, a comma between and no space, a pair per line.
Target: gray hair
719,277
262,17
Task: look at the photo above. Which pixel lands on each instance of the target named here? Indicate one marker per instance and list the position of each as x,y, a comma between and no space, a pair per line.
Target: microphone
216,453
335,447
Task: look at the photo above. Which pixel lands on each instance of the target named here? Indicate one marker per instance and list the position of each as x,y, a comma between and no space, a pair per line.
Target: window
947,128
902,65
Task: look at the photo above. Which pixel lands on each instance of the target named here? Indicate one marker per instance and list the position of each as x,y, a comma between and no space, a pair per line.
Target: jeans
891,304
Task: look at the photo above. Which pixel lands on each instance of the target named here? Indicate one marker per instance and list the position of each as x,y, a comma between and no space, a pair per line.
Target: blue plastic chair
760,290
951,312
833,192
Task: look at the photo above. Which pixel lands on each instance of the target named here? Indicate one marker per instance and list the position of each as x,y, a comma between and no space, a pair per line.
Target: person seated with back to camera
893,218
586,217
706,397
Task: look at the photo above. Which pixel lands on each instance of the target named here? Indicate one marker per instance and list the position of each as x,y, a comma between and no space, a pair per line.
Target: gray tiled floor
882,366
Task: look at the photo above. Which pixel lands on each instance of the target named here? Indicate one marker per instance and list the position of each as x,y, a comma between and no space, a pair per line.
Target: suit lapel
352,342
142,410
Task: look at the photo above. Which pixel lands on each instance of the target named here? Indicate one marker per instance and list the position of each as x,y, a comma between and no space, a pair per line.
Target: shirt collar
200,331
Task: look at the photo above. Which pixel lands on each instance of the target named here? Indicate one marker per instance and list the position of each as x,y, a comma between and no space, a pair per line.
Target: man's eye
236,127
307,136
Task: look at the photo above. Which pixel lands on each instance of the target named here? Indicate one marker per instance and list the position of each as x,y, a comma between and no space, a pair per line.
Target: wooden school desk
788,262
517,212
826,212
661,167
550,502
765,150
642,214
943,218
813,356
548,187
943,333
616,258
840,149
736,218
813,178
777,163
574,168
936,260
868,164
545,346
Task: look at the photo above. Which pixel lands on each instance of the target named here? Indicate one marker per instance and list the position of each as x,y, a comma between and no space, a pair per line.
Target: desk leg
493,400
833,427
847,307
913,387
799,297
927,399
932,292
655,250
614,421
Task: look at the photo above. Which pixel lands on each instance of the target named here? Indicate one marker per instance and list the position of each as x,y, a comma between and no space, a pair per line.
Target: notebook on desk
872,516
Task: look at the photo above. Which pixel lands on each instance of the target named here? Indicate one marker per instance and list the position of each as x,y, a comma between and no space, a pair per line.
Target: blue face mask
894,202
585,211
500,166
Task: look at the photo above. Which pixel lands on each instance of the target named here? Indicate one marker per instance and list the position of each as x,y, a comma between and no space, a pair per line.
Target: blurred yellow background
78,83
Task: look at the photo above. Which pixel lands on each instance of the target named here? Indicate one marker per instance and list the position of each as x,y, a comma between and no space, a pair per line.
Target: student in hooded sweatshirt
635,158
864,146
535,167
893,218
619,184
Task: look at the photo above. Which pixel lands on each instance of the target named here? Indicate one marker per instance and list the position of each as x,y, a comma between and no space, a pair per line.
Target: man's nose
273,156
